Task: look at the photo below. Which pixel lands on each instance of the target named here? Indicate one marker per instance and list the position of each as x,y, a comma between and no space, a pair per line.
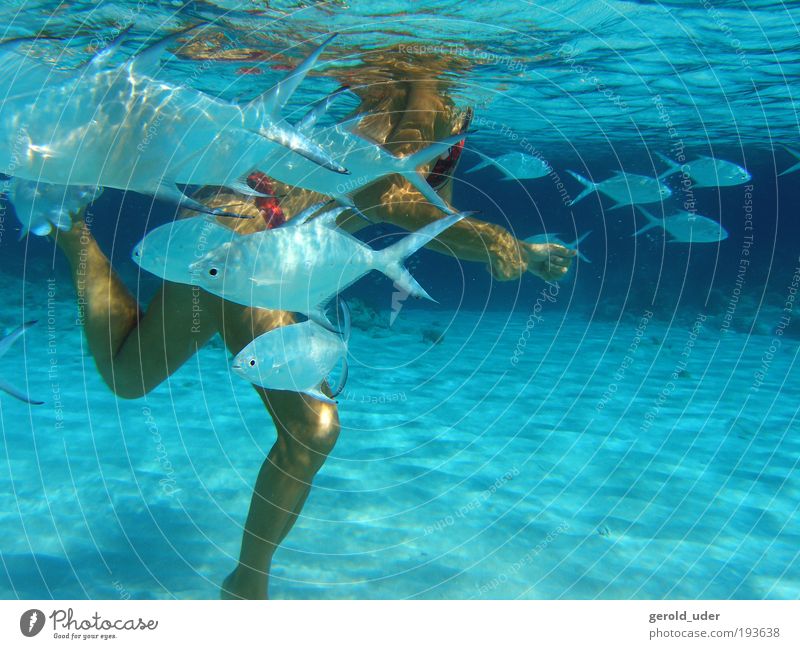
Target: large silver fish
365,161
708,172
5,345
548,238
169,250
296,357
685,227
303,264
516,166
121,127
624,188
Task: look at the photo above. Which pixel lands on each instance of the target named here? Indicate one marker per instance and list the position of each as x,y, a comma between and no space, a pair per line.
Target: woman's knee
310,437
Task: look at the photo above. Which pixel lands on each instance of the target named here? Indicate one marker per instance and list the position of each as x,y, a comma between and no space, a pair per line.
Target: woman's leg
307,431
134,352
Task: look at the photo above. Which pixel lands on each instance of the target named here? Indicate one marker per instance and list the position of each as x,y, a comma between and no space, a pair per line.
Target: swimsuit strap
268,206
446,164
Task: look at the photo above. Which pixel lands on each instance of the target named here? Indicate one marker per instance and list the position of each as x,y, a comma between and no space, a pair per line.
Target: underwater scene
395,299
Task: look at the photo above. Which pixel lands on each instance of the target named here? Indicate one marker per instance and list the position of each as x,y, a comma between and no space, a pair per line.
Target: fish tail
319,109
672,166
576,246
390,261
588,185
270,103
653,222
409,165
481,165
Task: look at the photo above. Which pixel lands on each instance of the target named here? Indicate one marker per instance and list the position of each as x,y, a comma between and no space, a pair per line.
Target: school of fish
155,138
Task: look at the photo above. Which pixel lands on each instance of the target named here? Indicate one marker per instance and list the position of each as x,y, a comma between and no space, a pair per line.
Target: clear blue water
606,456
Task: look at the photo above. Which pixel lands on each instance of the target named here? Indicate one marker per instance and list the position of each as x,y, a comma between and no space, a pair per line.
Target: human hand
549,261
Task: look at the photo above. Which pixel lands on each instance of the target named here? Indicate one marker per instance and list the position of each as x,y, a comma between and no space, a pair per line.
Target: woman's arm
425,116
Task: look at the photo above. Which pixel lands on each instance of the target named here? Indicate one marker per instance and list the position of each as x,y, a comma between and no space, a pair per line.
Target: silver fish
296,357
121,127
516,166
708,172
365,161
42,207
169,250
554,238
685,227
624,188
303,264
794,167
5,345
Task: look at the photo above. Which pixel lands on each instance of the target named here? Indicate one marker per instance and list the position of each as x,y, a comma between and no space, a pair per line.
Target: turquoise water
630,434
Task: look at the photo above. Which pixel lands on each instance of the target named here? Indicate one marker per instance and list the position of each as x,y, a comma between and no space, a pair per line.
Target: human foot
235,587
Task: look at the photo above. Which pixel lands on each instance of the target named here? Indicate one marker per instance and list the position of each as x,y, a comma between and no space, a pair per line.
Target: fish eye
213,271
252,362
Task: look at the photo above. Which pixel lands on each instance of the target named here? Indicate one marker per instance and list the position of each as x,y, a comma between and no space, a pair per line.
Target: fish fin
588,184
575,245
653,222
301,145
305,215
335,392
618,206
316,393
672,166
318,109
328,219
9,389
318,316
790,170
241,187
345,321
408,167
416,160
102,56
390,260
481,165
580,239
270,103
794,152
148,60
10,339
172,194
359,213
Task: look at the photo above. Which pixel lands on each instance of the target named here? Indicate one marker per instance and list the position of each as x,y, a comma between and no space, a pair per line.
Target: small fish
300,266
685,227
553,238
794,167
708,172
5,345
41,207
516,166
169,250
625,188
296,357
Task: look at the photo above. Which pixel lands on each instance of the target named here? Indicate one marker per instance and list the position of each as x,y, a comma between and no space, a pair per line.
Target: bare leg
134,353
307,431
